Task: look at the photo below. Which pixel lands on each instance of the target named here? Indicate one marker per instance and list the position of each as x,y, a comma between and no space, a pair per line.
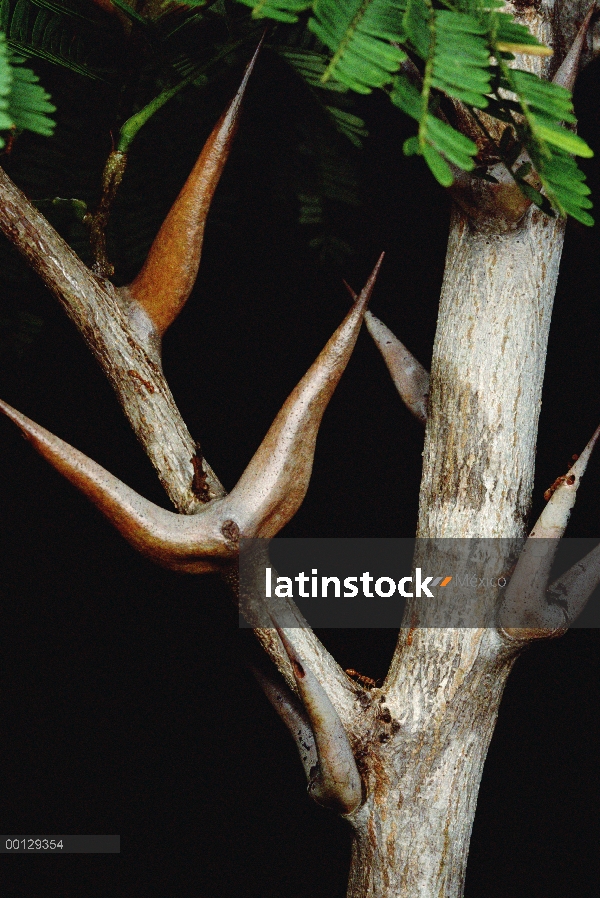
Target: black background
125,705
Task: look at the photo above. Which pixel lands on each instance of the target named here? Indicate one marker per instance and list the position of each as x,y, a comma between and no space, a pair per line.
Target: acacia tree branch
266,497
121,340
125,339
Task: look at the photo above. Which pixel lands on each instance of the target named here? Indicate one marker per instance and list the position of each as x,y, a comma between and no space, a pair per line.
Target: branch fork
266,497
123,328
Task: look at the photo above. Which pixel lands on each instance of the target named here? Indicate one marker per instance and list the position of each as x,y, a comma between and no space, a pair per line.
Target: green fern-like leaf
348,124
544,107
311,66
29,104
456,47
460,66
512,37
280,10
363,36
24,104
6,80
66,33
457,61
464,49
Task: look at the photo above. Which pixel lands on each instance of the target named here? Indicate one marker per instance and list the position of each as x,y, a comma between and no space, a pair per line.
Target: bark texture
444,687
428,741
486,377
441,697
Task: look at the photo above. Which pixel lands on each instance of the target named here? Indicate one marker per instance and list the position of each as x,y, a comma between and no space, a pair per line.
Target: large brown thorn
169,273
293,715
272,487
193,543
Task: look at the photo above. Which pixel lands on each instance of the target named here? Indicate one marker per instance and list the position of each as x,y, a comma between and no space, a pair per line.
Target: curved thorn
336,784
272,487
566,75
410,378
526,612
293,716
194,543
168,275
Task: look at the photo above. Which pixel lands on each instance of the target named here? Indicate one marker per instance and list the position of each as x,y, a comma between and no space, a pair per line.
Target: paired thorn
567,73
168,275
265,498
293,715
336,782
410,378
193,543
272,487
526,613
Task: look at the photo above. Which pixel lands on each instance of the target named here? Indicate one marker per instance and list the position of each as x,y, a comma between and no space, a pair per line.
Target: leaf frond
24,104
363,36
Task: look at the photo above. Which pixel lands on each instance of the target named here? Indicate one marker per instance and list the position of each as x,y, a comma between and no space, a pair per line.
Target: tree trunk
411,838
444,687
486,379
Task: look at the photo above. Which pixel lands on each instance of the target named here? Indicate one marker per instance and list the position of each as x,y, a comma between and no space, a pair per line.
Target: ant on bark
367,682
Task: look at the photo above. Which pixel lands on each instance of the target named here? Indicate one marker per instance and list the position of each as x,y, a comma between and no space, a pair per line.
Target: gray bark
444,687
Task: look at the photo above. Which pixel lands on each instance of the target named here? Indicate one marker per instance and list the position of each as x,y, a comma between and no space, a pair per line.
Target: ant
367,682
564,478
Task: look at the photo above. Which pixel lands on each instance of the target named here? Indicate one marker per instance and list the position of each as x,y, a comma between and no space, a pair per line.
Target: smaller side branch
526,613
98,221
336,783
